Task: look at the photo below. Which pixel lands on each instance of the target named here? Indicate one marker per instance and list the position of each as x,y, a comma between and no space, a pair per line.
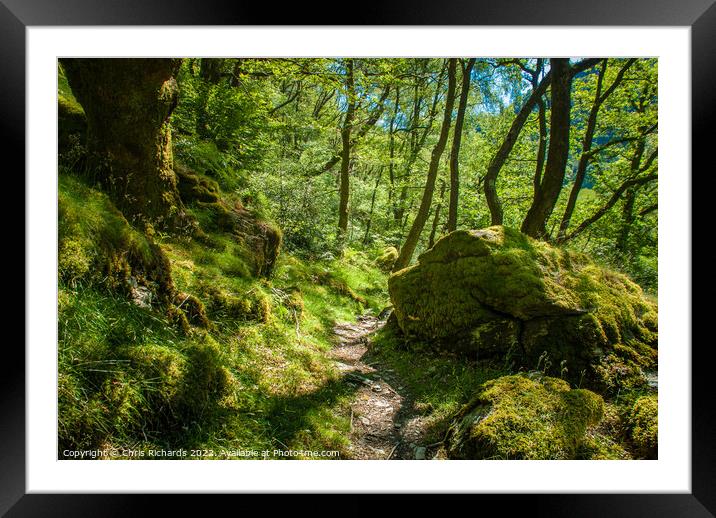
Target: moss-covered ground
256,378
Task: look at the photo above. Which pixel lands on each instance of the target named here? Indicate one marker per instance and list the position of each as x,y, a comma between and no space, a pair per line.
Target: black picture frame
700,15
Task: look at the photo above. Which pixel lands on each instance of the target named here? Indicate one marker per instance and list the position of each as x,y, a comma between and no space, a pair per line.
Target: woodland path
384,423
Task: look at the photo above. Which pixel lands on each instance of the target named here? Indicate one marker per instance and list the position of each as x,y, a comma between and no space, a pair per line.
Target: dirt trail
384,424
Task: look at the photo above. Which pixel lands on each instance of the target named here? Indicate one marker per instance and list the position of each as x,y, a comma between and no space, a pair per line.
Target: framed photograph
245,243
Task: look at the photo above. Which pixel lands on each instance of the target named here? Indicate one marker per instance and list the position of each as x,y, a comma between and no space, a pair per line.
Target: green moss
524,417
643,422
193,308
258,242
69,107
157,363
98,246
194,187
559,302
75,259
601,447
72,129
387,259
262,307
339,285
71,120
82,419
223,304
295,302
207,380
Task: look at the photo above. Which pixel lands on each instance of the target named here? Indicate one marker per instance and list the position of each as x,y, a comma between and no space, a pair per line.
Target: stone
499,293
524,417
387,259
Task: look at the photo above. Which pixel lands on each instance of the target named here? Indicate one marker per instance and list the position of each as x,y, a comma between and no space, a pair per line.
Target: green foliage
266,127
234,119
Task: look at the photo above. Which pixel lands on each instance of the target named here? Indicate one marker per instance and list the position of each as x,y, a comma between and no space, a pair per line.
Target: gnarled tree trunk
128,103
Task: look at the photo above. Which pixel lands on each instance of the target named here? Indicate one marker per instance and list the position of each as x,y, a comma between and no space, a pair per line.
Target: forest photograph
350,258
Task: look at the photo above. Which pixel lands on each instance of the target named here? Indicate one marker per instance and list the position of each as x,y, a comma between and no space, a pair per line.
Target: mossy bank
171,341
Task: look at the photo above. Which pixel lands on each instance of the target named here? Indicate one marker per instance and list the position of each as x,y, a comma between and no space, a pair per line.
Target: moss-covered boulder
643,425
524,417
386,260
260,239
498,292
194,187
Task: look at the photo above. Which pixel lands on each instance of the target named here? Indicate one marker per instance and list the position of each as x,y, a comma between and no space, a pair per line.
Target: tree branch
608,205
288,101
584,65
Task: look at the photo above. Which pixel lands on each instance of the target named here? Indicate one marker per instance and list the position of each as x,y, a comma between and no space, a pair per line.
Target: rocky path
384,424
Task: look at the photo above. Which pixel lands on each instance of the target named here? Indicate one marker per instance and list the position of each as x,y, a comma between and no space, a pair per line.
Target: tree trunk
535,223
236,73
391,146
372,207
411,242
417,141
436,219
629,200
455,151
542,118
346,152
584,158
210,70
128,103
542,148
493,170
